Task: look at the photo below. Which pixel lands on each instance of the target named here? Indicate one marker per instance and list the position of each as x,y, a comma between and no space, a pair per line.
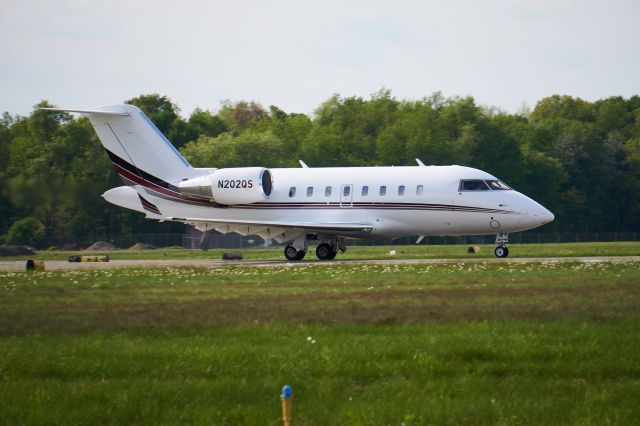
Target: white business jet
300,205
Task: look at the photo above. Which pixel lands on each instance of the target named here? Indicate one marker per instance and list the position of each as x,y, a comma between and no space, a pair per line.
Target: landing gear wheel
291,253
501,251
325,252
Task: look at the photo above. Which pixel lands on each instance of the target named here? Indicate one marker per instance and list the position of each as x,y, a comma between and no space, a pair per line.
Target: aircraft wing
279,231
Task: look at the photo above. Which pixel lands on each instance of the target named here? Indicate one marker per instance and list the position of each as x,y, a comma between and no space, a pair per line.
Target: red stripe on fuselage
134,178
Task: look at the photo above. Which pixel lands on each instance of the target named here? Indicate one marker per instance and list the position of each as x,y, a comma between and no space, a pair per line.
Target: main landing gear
326,250
501,245
291,253
296,249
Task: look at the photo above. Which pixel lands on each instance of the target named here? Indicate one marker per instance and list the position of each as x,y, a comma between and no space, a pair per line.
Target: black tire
300,255
501,251
325,252
291,253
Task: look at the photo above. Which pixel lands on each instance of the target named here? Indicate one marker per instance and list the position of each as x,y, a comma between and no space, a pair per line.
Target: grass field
370,252
458,343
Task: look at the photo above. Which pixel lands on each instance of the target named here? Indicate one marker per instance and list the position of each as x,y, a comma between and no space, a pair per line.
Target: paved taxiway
61,265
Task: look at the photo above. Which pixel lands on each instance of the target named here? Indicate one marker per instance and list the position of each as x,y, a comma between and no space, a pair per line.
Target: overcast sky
296,54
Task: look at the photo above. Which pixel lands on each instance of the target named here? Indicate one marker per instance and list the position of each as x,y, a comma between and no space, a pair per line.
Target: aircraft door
346,196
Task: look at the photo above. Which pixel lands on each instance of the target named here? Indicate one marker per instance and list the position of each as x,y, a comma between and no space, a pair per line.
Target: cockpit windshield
482,185
497,185
473,185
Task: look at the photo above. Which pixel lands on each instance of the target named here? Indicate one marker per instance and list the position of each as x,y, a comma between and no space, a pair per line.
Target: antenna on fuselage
303,164
420,163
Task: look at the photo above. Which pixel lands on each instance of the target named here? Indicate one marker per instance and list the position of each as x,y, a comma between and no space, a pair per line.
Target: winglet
420,238
303,164
420,163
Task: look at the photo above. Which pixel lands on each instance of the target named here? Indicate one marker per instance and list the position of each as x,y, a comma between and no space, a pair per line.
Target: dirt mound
6,250
142,246
100,246
70,247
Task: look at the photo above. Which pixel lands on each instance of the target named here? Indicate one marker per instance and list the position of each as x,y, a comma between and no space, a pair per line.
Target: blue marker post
287,401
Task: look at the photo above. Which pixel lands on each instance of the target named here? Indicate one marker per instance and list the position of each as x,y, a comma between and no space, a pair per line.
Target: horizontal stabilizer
89,111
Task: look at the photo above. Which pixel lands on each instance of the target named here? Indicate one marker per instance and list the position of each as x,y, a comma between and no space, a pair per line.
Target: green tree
566,107
240,115
347,129
250,148
28,231
35,183
8,212
205,123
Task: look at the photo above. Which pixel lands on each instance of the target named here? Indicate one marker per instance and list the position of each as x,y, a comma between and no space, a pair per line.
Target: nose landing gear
501,251
501,245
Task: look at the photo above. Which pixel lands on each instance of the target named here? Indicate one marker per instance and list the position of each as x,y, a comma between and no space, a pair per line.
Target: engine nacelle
241,185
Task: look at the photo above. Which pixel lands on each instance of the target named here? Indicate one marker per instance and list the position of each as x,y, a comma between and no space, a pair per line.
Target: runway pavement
61,265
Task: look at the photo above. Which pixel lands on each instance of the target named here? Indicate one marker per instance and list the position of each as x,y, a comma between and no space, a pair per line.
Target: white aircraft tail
138,150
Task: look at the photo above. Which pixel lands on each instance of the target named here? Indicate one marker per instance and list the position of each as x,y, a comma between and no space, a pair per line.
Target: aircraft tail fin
138,150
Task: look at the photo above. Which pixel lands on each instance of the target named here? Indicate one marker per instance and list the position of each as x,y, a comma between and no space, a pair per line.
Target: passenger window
401,190
309,191
327,191
383,191
292,192
498,185
419,190
365,191
473,185
346,191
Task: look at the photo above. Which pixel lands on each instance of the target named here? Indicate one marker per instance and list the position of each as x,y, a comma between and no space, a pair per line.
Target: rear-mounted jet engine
241,185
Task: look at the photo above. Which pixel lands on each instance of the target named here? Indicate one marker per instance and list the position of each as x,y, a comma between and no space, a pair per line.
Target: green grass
369,252
459,343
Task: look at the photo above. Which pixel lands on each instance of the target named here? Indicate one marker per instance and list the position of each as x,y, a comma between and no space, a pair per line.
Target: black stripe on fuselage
147,205
138,172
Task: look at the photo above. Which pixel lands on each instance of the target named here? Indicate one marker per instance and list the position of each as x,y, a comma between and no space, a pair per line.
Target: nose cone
539,215
546,216
531,214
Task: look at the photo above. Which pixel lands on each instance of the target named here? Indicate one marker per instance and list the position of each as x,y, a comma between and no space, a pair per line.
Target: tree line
580,159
